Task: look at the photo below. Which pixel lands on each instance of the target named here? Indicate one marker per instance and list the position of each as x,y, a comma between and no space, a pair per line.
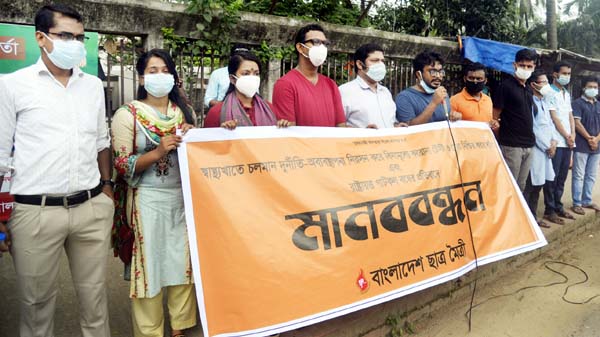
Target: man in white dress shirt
53,114
367,103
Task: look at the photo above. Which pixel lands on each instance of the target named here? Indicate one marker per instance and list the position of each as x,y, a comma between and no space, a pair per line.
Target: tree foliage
580,35
448,18
511,21
216,20
343,12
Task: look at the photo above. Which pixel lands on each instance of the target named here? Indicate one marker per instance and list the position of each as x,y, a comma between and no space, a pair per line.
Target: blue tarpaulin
493,54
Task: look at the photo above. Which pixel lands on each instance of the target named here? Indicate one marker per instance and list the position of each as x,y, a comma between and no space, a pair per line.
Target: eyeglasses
66,36
437,73
318,42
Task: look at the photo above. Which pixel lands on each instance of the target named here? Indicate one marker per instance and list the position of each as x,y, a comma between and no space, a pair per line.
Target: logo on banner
12,48
362,282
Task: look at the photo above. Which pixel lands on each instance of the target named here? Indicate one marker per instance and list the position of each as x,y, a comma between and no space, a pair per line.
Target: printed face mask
66,54
159,85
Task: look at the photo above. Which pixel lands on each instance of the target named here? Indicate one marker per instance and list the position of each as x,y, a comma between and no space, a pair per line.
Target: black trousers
532,195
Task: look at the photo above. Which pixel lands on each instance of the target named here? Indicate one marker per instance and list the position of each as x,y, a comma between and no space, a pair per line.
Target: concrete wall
146,18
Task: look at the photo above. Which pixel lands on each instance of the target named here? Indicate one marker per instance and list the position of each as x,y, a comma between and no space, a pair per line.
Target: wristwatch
107,182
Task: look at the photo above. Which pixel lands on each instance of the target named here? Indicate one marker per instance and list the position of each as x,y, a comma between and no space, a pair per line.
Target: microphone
445,105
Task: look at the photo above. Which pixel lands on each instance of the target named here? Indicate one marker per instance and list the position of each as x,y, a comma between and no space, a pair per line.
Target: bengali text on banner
290,227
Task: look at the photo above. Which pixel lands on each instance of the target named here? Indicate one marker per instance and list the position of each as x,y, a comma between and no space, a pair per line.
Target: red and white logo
6,206
362,282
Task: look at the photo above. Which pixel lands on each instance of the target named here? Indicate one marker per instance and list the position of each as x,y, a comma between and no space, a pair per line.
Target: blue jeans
553,190
585,167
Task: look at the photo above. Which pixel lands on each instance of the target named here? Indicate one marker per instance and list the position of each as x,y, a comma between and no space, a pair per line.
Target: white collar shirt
364,106
560,102
56,131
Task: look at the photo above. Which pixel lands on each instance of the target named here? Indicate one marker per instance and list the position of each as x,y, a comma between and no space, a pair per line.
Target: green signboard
19,49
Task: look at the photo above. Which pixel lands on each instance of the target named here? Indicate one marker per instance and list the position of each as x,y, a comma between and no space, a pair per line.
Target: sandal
565,214
592,206
543,224
554,218
578,210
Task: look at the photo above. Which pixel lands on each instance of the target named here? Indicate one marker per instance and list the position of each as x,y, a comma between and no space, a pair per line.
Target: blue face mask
426,87
159,85
66,54
563,79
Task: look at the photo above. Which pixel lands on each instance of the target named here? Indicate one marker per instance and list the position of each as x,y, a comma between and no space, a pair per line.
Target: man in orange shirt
471,102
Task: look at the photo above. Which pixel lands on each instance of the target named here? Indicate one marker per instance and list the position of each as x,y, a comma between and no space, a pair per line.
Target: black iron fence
119,54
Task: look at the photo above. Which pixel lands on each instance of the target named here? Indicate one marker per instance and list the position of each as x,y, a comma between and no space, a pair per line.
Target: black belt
67,201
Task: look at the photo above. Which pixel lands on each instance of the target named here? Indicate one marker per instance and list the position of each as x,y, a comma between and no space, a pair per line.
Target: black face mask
474,88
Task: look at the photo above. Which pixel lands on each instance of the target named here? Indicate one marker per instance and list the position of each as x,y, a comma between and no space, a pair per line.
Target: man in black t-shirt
513,107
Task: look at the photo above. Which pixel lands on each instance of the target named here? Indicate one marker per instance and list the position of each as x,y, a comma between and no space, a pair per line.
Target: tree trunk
551,24
272,7
364,13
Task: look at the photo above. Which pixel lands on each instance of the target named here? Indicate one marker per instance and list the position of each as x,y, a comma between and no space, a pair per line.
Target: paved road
66,318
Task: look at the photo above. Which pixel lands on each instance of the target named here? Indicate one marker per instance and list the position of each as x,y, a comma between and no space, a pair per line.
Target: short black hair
174,95
363,52
426,58
44,18
474,67
526,54
558,65
301,33
534,76
589,79
236,60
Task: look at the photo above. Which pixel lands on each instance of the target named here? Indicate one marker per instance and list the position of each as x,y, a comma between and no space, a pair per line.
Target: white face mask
523,74
316,54
248,85
591,92
546,90
376,71
66,54
159,85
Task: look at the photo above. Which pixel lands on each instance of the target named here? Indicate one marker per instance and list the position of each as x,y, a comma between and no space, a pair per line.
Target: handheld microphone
445,105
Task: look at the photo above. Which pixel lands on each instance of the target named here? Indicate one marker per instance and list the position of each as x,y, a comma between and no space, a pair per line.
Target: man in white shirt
54,116
219,82
564,133
367,103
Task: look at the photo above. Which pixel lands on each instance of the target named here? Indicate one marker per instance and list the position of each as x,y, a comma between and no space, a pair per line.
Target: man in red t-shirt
303,96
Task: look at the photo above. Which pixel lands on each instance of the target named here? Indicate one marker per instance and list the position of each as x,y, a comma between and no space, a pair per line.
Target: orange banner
290,227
